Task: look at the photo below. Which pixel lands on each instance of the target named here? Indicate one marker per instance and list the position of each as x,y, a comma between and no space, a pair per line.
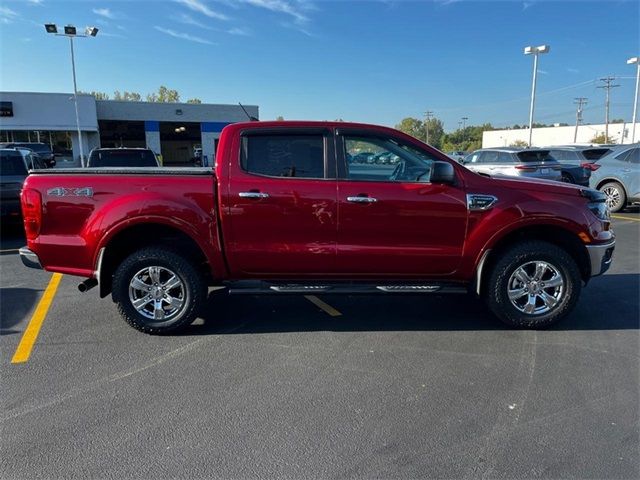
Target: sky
366,61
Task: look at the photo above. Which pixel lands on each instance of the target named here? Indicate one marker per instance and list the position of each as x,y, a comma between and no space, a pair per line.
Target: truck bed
126,171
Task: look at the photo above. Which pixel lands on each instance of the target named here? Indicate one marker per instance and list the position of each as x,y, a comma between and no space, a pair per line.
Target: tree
196,101
418,129
97,95
519,143
601,138
127,96
279,118
465,139
617,120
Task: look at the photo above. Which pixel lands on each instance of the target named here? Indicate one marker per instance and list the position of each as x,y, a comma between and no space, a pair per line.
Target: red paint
306,228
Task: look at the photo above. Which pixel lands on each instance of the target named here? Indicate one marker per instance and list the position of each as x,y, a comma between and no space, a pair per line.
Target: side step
249,287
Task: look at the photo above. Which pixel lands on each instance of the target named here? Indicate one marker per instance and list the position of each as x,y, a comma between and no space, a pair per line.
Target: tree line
163,95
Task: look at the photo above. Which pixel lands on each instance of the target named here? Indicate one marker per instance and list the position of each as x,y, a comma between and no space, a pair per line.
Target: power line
608,85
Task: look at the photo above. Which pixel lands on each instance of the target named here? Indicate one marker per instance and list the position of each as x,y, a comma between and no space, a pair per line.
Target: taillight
590,166
31,201
524,168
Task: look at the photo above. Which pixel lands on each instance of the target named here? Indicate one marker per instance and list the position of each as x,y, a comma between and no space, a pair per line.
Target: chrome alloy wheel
535,287
613,197
157,293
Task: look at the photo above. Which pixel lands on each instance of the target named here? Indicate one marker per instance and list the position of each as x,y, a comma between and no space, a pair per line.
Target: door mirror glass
443,172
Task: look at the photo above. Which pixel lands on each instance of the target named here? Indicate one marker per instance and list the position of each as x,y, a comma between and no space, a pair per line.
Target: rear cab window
122,158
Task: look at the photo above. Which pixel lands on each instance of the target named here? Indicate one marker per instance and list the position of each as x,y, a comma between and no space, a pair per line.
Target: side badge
70,192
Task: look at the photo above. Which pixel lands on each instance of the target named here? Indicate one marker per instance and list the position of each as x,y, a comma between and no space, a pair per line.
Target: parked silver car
617,174
514,162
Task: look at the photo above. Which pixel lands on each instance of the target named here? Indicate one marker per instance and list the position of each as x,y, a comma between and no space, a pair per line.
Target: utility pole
464,127
427,116
608,85
580,101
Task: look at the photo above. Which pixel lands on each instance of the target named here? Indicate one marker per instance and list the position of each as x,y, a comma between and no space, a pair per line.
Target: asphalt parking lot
289,387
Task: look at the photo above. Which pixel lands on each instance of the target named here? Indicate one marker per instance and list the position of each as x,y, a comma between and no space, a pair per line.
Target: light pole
71,32
636,61
464,128
535,51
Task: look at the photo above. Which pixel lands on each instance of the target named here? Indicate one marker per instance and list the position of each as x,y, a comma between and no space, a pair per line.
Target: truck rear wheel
533,285
158,291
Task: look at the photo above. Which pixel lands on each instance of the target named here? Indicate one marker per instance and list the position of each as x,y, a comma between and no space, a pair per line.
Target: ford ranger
287,210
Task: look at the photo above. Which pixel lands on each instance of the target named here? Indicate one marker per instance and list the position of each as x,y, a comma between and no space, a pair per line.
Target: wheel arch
554,234
136,236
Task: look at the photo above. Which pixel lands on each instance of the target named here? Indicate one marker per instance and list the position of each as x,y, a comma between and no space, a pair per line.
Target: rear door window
284,155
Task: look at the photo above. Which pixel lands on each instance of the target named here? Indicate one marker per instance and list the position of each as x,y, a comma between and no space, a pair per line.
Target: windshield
122,158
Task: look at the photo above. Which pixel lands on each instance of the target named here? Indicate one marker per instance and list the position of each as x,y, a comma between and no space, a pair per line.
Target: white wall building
547,136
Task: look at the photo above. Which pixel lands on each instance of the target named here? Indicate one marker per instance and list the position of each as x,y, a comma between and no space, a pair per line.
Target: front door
281,204
392,221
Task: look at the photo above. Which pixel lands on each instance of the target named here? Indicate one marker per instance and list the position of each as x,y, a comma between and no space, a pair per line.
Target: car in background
42,149
122,157
457,155
514,162
617,175
32,160
13,172
363,157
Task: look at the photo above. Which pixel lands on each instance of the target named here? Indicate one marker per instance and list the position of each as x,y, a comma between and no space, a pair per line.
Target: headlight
600,210
597,203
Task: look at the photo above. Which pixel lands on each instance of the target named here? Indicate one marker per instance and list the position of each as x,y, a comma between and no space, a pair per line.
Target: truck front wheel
533,284
158,291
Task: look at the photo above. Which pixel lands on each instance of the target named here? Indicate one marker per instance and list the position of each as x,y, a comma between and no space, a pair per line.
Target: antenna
253,119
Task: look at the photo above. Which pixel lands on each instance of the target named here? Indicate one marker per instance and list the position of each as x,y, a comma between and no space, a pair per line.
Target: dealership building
176,131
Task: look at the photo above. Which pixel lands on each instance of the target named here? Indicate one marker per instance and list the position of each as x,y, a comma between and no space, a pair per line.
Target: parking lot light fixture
71,32
635,61
535,51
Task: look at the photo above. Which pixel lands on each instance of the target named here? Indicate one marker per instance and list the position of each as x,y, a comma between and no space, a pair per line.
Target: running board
351,288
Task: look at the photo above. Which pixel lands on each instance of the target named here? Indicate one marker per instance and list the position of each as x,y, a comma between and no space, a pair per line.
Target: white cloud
238,31
183,36
543,72
104,12
200,7
7,15
189,20
35,2
295,9
573,70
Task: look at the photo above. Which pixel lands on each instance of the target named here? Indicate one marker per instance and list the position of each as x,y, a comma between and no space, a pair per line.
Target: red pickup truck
316,207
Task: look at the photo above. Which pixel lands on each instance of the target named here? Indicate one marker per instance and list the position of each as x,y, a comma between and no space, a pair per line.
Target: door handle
253,195
360,199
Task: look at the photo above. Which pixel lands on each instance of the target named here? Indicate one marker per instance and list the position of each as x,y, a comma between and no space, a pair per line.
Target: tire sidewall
162,258
499,301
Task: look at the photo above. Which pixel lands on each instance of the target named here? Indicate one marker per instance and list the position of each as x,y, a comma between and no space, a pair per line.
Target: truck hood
538,185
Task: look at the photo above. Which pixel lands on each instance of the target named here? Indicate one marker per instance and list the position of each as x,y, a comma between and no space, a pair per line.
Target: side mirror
443,172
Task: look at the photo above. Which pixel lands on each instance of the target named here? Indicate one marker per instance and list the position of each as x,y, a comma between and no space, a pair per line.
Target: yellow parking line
23,352
619,217
324,306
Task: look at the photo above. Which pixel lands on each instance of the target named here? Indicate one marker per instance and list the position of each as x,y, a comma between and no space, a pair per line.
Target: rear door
392,221
281,203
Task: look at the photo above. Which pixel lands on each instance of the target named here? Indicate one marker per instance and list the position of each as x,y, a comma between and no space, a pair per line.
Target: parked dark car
122,157
42,149
13,172
576,162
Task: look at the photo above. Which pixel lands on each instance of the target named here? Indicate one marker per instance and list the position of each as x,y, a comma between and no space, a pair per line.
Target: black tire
191,291
523,254
616,196
567,178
